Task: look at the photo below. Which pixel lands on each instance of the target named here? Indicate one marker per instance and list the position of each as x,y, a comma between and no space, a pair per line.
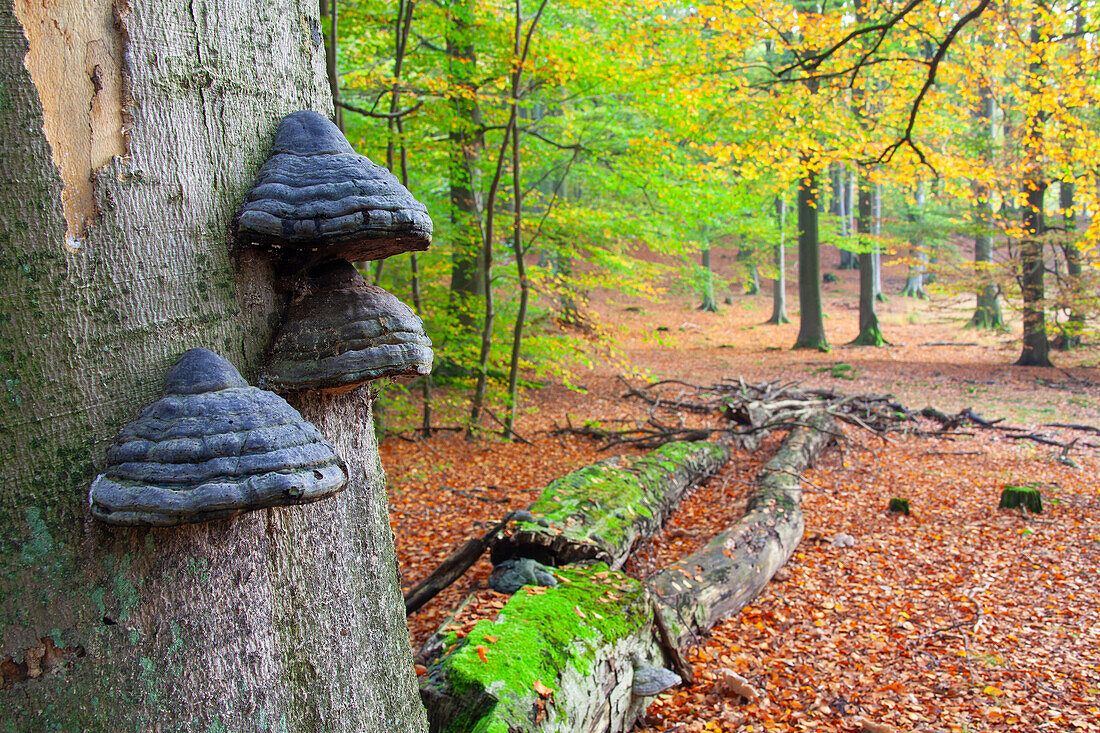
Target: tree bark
467,143
914,281
987,309
1071,335
554,659
779,285
811,323
842,193
115,260
708,303
869,332
1036,347
696,592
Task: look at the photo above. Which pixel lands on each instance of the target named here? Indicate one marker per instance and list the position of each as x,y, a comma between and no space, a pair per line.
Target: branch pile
749,412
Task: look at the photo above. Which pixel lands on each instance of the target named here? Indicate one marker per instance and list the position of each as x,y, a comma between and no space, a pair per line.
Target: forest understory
958,617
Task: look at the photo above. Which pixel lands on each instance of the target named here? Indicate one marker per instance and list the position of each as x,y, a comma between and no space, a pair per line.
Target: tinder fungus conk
650,680
317,199
213,447
344,333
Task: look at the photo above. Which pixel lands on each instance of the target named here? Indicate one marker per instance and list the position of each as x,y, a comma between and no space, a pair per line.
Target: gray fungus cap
650,680
345,333
316,199
212,447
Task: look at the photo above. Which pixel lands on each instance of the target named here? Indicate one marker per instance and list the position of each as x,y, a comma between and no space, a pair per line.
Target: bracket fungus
213,447
343,333
650,680
316,199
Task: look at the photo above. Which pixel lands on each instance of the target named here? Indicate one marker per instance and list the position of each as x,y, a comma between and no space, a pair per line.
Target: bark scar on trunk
76,63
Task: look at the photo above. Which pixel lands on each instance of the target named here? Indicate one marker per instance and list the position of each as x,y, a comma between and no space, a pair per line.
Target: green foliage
662,126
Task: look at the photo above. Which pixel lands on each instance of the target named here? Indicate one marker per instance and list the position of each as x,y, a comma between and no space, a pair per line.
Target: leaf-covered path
959,617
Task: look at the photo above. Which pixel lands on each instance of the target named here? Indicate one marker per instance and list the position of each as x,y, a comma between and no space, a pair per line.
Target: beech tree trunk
708,303
779,285
697,591
467,143
1036,347
132,133
987,309
914,281
811,321
869,332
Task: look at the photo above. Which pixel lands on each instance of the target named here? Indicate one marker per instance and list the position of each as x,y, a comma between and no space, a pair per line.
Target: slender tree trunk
330,15
1071,335
115,261
1036,347
914,281
467,141
869,332
811,323
753,285
517,246
844,211
876,253
987,311
779,285
708,303
522,46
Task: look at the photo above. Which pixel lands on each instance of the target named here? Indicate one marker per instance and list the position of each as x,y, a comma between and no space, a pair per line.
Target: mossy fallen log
697,591
600,512
554,659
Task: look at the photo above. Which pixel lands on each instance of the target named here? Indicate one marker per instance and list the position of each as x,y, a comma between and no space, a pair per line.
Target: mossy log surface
602,511
554,659
699,590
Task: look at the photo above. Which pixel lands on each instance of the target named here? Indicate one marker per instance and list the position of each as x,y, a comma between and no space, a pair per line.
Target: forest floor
959,617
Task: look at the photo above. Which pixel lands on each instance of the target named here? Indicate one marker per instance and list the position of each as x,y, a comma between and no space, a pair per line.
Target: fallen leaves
958,617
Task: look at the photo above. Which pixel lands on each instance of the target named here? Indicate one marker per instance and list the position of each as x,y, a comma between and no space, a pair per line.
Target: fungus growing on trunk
344,332
212,447
316,199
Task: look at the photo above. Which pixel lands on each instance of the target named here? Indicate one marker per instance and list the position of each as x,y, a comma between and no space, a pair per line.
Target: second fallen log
696,592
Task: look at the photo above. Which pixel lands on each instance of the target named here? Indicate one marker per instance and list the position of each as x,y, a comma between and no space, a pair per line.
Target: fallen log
600,512
697,591
554,659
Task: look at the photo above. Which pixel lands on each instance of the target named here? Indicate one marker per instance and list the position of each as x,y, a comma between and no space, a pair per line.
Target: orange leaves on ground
959,617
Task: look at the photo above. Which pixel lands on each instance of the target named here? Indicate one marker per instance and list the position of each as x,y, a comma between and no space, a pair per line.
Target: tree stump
1026,496
899,506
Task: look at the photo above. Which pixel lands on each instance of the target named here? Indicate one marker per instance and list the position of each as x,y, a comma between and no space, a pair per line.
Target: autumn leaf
543,691
482,650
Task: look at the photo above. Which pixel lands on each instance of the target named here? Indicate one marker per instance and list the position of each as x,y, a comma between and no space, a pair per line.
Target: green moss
535,638
1026,496
608,503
